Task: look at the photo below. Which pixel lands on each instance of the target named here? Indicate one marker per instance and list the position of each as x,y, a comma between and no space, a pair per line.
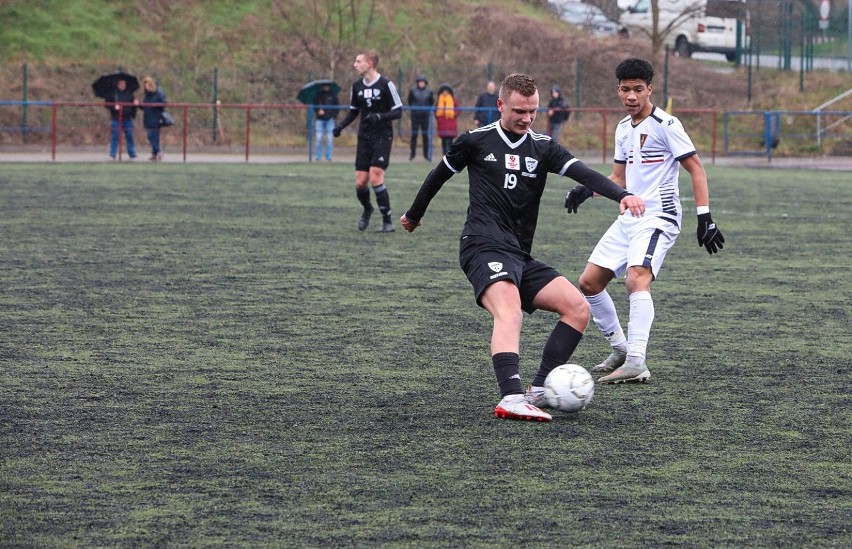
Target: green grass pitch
213,355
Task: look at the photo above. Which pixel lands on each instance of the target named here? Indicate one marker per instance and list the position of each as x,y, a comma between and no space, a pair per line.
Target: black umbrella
309,91
107,83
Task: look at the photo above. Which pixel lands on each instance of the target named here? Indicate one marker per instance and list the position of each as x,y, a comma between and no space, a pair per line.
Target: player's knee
589,286
580,314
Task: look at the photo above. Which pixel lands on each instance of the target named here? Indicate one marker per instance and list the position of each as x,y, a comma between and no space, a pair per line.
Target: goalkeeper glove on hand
336,131
577,196
708,234
373,118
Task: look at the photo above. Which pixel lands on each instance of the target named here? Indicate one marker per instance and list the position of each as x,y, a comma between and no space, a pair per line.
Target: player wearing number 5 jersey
650,148
507,166
377,101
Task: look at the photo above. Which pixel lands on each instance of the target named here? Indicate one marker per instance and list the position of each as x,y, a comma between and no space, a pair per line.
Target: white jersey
652,151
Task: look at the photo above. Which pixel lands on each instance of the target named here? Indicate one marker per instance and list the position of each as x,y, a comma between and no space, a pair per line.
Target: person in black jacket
557,113
151,115
128,113
486,106
325,112
421,98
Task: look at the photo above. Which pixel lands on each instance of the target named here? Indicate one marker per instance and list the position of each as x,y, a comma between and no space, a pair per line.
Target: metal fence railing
246,128
781,133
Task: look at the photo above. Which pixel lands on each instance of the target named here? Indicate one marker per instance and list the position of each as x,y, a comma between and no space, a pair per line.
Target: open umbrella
107,83
308,92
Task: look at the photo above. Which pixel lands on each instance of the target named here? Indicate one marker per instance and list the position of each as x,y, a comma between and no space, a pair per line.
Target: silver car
586,16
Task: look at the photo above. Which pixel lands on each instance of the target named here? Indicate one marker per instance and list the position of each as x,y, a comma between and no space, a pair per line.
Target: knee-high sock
606,319
639,326
507,368
558,350
363,197
383,199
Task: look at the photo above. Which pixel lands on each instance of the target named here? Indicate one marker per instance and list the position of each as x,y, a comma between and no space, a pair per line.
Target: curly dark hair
516,82
634,69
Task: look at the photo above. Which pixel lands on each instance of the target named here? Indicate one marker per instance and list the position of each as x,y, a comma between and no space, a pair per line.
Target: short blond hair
372,56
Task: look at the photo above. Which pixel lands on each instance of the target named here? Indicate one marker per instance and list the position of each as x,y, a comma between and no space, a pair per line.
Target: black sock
507,368
558,350
383,199
364,197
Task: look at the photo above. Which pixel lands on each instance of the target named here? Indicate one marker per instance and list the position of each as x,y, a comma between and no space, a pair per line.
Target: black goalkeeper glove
708,234
577,196
373,118
336,131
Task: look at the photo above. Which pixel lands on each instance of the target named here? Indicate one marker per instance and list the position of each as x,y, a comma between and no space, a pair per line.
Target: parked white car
692,29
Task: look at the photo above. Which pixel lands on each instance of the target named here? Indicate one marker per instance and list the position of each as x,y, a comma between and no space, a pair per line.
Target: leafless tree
327,30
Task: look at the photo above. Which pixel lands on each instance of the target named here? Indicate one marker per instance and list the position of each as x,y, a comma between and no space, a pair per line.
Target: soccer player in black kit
376,99
507,167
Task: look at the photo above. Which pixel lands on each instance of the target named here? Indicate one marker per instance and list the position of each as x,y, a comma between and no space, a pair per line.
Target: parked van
696,25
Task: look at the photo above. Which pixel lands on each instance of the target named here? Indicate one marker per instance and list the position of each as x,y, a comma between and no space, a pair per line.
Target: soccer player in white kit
650,147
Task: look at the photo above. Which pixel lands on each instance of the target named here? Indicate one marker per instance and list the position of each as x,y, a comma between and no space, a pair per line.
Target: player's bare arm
708,234
619,174
700,189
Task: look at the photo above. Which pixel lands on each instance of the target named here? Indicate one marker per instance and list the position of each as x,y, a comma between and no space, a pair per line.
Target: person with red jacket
447,114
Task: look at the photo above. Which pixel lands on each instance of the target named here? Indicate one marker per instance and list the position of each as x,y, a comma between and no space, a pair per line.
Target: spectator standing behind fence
447,114
375,98
128,113
151,115
325,113
421,98
486,106
557,113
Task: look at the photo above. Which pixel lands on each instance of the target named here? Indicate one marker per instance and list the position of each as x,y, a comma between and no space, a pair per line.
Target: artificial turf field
213,355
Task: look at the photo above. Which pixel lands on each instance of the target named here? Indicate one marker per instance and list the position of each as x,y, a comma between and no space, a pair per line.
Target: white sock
639,326
606,319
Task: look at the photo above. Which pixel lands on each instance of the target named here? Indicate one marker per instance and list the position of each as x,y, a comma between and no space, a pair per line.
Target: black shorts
486,261
373,151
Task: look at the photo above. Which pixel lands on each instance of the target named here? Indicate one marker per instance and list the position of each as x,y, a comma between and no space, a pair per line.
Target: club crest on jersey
513,162
531,163
642,138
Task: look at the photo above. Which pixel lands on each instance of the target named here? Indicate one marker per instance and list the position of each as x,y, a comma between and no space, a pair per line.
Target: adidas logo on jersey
490,158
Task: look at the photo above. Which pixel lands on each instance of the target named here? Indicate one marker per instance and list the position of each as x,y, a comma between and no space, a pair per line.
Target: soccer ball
569,388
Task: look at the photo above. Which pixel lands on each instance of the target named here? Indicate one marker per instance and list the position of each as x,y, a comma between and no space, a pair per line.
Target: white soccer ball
569,388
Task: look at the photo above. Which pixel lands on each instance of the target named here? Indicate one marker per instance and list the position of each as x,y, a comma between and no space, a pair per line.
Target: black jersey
379,96
506,181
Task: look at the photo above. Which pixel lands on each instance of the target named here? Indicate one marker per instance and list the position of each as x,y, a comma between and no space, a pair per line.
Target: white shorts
633,242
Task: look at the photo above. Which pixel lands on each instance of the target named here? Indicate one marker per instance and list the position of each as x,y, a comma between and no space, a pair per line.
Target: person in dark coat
120,94
325,113
151,115
420,97
486,106
557,113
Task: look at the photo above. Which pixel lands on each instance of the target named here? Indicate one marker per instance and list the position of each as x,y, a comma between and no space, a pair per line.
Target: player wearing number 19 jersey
507,166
